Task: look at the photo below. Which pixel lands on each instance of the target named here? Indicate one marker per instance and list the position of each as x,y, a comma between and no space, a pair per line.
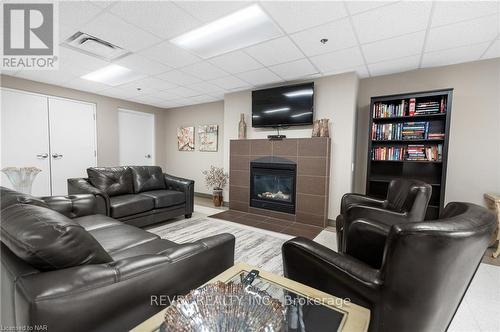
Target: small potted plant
216,179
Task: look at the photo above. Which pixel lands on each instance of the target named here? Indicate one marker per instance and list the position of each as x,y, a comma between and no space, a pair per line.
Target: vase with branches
216,179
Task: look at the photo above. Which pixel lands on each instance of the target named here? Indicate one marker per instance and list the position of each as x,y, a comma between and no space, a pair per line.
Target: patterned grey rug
253,246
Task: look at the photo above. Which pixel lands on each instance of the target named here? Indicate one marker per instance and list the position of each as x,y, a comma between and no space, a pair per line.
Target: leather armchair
406,201
425,272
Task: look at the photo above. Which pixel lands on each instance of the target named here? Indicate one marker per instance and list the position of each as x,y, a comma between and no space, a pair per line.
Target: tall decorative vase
242,127
324,132
21,177
217,197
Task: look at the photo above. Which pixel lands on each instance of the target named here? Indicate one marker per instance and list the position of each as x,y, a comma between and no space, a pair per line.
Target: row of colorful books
403,131
408,108
417,152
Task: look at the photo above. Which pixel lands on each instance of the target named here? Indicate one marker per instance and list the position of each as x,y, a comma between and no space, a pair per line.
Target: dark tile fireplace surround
284,182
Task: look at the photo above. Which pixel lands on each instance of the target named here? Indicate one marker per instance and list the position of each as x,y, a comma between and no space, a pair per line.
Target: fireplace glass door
273,187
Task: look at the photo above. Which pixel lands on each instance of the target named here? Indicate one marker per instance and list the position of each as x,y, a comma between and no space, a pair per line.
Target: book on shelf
403,131
413,152
408,108
387,131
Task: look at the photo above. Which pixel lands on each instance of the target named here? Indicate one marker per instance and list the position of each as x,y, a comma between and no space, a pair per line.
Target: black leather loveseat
136,195
69,269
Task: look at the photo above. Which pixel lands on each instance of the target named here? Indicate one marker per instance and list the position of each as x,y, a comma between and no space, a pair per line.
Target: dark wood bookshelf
433,172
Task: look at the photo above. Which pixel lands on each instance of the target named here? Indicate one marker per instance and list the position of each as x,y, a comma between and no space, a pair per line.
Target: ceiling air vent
94,46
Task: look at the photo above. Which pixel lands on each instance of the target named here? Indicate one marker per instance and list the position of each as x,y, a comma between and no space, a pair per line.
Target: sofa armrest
119,295
83,186
358,199
381,215
317,266
184,185
365,240
73,206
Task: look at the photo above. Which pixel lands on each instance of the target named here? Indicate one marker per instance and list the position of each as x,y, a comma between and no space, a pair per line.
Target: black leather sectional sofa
68,268
136,195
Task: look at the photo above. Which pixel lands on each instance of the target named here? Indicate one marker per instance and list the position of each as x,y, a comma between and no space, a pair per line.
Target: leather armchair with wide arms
70,269
425,272
406,201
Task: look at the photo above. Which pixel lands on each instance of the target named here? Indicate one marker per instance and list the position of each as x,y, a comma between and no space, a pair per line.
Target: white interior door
72,141
25,138
136,137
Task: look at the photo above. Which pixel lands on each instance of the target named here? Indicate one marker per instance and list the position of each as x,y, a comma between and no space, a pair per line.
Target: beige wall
474,150
335,99
190,164
106,117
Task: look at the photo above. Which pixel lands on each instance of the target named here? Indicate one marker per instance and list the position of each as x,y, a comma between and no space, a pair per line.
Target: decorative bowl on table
222,307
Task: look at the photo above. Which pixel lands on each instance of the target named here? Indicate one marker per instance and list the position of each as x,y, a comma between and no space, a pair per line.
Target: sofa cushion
96,221
165,198
126,205
147,178
121,237
48,240
10,197
113,181
154,247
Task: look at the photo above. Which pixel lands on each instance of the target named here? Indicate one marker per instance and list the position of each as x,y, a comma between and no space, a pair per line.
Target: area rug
254,246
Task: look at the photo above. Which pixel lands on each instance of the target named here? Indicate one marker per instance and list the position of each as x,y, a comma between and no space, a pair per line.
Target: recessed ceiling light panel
112,75
248,26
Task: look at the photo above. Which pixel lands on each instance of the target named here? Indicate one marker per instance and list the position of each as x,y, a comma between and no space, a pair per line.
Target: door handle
42,155
57,156
148,156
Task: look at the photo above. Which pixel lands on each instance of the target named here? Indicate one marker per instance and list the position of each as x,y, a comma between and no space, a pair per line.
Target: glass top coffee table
306,308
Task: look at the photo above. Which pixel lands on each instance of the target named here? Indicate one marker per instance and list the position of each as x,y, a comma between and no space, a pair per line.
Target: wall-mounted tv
283,106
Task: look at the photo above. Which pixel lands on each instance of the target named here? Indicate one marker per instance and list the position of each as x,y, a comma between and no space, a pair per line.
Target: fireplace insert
272,184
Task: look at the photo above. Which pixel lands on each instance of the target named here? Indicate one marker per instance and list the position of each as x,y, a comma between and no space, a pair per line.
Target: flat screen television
283,106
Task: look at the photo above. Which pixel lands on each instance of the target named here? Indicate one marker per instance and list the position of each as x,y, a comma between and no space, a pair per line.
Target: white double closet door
53,134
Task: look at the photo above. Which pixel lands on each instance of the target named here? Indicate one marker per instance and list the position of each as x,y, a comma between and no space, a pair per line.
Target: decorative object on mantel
320,128
316,128
225,307
493,203
216,179
207,137
242,127
22,177
185,138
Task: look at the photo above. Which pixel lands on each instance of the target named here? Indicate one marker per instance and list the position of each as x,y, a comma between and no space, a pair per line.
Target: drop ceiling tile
394,48
293,16
77,13
68,56
275,51
118,32
338,60
162,18
454,55
361,71
65,32
56,77
230,83
493,51
203,99
147,86
207,11
167,104
86,85
260,77
204,87
295,69
235,62
166,95
183,91
115,92
339,34
142,64
178,77
147,99
356,7
103,4
446,12
392,20
394,66
170,55
204,70
463,33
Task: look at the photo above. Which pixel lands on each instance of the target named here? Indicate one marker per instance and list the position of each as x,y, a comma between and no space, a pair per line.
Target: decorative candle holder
22,177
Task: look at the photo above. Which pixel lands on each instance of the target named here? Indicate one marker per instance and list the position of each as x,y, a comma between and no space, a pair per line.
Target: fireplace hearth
273,184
